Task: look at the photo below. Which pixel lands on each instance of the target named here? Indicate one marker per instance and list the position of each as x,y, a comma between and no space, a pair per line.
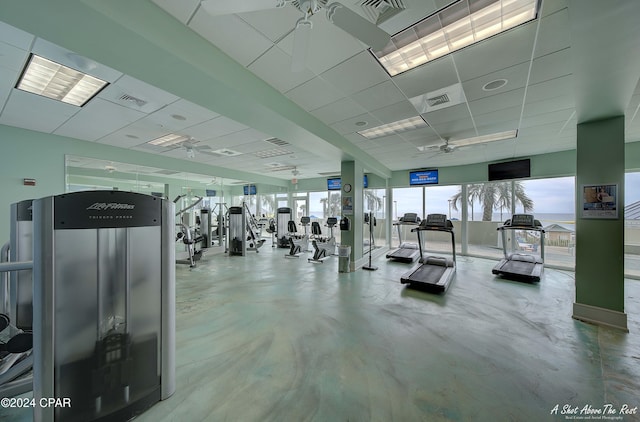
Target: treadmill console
522,220
410,217
436,220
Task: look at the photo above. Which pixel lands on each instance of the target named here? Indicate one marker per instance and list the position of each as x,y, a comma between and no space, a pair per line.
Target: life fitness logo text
103,206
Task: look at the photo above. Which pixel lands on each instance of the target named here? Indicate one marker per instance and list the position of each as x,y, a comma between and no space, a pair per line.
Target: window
632,225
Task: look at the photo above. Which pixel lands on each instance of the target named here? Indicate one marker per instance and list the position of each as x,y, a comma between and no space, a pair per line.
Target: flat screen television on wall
423,177
510,170
334,184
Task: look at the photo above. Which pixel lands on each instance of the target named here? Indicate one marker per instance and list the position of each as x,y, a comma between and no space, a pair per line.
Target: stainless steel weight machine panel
104,304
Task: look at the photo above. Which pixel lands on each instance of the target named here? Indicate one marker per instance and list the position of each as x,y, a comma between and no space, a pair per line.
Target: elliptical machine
324,246
297,242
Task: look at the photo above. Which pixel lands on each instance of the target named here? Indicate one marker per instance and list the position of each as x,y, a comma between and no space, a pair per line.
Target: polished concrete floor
264,338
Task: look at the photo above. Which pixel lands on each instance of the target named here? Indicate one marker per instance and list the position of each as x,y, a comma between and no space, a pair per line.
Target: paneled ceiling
236,91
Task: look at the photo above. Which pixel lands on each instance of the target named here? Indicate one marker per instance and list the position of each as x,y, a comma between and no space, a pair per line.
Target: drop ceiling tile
551,104
509,99
454,129
558,87
339,110
460,111
314,94
75,61
547,118
510,115
180,9
225,31
552,6
516,77
425,136
499,52
379,96
97,119
551,66
357,73
274,67
349,125
12,59
31,111
328,45
239,137
15,37
554,33
429,77
127,87
273,24
134,134
214,128
194,115
393,113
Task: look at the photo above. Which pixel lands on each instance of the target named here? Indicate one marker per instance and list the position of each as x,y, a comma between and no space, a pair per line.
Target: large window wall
374,202
632,225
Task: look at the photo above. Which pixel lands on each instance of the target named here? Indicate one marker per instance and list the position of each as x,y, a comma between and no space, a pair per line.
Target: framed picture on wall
599,201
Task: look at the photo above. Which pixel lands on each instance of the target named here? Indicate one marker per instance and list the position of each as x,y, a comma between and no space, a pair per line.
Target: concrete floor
264,338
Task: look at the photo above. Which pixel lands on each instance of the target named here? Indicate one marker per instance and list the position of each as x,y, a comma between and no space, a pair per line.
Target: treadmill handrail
532,228
433,228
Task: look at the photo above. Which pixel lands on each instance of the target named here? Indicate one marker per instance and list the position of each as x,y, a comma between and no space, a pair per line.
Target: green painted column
599,234
352,191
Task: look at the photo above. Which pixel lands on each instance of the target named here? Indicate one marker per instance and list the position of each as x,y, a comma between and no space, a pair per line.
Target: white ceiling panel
15,37
274,23
429,77
551,6
12,59
553,34
516,77
225,32
558,87
552,104
238,138
328,45
357,73
214,128
314,94
501,51
75,61
547,118
6,85
509,115
349,125
180,9
454,129
97,119
379,96
23,107
121,91
274,67
456,112
393,113
500,101
339,110
424,136
551,66
170,117
135,134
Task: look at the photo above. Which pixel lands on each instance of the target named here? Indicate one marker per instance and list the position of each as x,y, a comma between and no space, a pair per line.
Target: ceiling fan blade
228,7
354,24
300,44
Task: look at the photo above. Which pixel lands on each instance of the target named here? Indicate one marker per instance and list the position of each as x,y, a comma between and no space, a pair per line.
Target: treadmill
406,252
434,273
521,266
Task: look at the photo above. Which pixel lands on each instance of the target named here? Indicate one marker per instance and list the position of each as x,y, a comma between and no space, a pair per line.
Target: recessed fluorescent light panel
459,25
169,140
502,136
53,80
400,126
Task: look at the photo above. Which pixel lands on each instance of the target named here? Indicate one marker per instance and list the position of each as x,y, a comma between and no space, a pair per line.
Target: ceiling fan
338,14
453,145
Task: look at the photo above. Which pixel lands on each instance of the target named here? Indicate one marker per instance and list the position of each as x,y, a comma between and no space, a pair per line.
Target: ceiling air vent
277,142
440,99
269,153
378,11
137,101
167,172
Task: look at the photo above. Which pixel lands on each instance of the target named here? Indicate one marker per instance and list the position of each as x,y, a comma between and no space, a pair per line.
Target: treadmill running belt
427,274
518,267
